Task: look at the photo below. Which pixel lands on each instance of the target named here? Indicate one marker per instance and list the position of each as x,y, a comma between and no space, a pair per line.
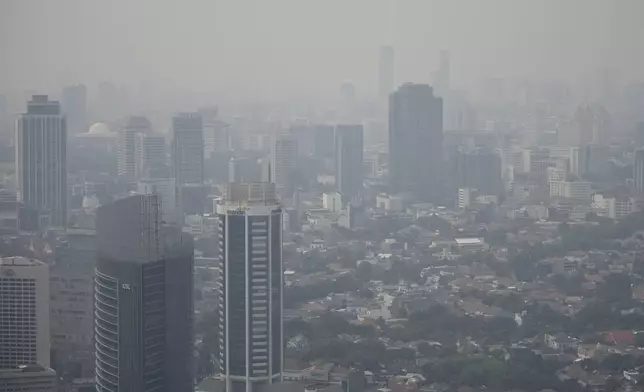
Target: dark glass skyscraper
41,158
250,281
348,161
416,142
143,300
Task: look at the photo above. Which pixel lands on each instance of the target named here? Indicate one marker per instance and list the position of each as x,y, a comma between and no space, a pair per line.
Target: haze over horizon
285,48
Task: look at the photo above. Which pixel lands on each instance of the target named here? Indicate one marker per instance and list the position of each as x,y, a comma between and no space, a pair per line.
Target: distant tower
349,161
150,154
143,300
283,162
74,104
41,158
416,141
24,311
127,145
251,280
187,160
638,171
385,73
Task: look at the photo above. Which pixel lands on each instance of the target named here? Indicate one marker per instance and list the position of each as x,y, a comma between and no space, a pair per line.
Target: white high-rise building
24,311
284,161
127,145
150,153
41,158
251,283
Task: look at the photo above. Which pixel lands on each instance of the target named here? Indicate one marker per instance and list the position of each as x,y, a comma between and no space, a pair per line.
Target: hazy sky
290,47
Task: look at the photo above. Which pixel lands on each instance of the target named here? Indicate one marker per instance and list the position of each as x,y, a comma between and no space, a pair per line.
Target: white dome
99,128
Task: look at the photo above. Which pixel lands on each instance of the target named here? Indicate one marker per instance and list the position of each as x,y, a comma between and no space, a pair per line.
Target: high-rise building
24,311
323,141
41,158
166,190
284,161
349,161
638,171
416,141
385,72
127,145
71,305
150,154
251,282
480,170
187,159
143,300
74,104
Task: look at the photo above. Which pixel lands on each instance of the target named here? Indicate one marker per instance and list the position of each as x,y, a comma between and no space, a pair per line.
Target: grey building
416,142
74,103
150,154
128,138
143,300
28,378
348,161
41,158
24,312
638,171
480,170
251,282
71,305
187,160
284,156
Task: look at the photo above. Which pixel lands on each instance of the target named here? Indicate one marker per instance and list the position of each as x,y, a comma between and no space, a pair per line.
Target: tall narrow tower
251,282
143,300
41,158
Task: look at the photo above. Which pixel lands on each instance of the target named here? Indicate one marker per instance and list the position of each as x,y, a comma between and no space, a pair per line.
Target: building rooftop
19,262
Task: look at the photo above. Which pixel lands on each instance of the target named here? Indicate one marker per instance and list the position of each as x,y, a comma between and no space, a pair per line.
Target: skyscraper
284,161
150,154
127,145
187,158
348,161
24,311
71,304
41,158
385,72
74,104
143,300
638,171
251,281
479,170
416,141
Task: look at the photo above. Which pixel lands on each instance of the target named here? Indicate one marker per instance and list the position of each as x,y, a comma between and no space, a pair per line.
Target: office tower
592,125
638,171
348,161
215,131
416,141
323,141
28,378
71,281
284,160
480,170
127,145
251,281
150,154
385,73
24,311
74,105
143,300
187,158
165,188
41,158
